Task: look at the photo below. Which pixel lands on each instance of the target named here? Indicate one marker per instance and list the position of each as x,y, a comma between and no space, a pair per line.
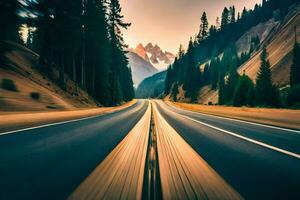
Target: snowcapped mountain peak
149,45
141,51
155,55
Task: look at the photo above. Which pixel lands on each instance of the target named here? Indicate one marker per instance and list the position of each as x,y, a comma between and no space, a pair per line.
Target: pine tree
244,92
232,14
225,18
233,79
120,77
206,74
97,51
214,72
181,51
203,33
168,80
265,92
192,74
293,98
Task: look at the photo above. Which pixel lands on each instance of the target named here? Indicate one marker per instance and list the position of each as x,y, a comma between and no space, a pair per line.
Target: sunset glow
171,22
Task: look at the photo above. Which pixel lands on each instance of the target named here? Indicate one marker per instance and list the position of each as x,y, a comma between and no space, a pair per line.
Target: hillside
140,68
279,44
20,68
152,87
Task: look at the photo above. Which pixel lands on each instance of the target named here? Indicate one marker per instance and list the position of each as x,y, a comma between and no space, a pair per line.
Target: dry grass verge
276,117
12,121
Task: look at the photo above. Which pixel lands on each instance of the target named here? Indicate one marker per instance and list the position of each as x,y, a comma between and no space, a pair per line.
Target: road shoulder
275,117
15,121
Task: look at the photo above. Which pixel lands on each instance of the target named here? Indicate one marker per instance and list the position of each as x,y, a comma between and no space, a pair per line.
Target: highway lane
286,139
256,172
183,173
120,175
50,162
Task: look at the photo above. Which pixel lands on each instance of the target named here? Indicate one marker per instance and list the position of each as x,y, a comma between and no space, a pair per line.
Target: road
151,147
50,162
255,171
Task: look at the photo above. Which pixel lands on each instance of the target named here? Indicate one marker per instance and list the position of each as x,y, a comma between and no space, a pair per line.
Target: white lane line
246,138
238,120
57,123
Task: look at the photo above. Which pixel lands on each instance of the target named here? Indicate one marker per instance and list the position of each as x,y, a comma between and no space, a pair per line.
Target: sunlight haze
171,22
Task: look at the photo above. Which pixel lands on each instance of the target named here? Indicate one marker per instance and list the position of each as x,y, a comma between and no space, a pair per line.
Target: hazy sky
171,22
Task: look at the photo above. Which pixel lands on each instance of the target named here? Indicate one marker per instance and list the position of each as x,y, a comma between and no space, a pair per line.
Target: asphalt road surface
198,156
262,164
50,162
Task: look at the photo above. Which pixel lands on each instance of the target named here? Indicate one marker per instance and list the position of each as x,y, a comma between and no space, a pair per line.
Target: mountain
140,67
155,55
279,43
152,87
239,45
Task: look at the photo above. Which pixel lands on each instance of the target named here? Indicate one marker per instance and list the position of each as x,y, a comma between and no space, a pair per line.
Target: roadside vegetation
8,84
35,95
216,44
81,40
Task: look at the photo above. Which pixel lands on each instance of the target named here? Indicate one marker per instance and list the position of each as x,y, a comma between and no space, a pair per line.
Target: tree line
215,47
79,38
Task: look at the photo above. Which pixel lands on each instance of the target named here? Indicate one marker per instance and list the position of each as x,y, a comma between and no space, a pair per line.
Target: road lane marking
59,123
237,120
184,174
120,175
245,138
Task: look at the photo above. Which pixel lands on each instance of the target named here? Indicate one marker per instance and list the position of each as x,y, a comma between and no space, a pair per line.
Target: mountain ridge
155,55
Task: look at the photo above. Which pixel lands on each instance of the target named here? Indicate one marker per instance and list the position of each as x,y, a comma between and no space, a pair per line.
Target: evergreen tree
181,51
206,74
120,75
214,72
244,92
293,98
265,92
168,80
97,49
192,74
203,33
225,18
232,14
233,79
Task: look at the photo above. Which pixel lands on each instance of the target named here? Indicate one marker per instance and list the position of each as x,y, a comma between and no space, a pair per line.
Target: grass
9,84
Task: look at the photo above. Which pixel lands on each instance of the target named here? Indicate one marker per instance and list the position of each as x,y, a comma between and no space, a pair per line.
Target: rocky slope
155,55
140,68
19,68
279,38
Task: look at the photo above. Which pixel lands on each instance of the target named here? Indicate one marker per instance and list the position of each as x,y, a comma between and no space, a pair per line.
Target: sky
170,23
